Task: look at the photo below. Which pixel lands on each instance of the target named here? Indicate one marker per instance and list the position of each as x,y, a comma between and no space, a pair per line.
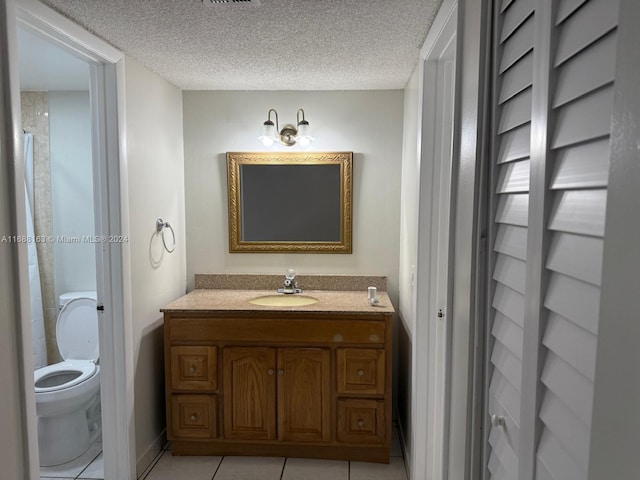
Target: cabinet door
304,382
249,393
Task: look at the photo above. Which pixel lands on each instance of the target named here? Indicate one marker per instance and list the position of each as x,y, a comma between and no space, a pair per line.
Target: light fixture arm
269,117
298,121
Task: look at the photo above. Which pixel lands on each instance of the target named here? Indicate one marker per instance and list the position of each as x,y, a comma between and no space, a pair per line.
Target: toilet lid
77,330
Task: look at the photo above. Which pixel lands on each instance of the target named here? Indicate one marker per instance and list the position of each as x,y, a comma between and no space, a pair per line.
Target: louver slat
518,44
570,432
595,19
576,256
577,77
514,177
513,209
585,119
514,145
579,211
582,166
509,334
510,303
569,386
517,78
556,460
506,394
505,453
508,365
514,17
515,112
510,271
573,344
566,8
574,300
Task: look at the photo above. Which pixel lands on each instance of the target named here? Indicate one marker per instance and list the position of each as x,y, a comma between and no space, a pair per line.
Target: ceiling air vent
246,2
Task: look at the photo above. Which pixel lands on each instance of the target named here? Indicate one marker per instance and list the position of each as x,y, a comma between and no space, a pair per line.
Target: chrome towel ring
160,226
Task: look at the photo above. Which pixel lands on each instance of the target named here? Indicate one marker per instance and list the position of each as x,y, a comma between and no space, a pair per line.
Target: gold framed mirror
290,202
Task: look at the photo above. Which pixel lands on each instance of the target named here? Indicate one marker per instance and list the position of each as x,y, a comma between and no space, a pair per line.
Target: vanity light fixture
289,134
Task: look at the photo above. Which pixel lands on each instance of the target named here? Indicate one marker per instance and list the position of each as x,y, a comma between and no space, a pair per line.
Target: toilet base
62,438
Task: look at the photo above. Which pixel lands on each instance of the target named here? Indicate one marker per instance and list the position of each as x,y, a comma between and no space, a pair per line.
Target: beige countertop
348,302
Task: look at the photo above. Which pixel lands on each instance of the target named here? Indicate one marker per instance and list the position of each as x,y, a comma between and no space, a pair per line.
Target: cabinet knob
280,372
270,371
193,417
497,421
192,370
360,373
360,423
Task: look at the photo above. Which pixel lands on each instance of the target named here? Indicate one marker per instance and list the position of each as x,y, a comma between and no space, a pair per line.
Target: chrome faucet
290,283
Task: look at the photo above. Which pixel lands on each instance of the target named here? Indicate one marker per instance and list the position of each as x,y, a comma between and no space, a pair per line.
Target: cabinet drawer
361,370
304,331
361,421
193,416
194,368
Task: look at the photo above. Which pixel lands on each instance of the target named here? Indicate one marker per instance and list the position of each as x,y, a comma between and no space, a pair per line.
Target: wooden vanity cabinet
278,383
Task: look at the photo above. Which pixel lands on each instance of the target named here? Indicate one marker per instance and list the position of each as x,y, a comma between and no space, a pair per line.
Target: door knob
497,421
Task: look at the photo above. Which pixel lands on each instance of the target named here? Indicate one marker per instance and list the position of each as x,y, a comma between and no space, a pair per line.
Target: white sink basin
282,300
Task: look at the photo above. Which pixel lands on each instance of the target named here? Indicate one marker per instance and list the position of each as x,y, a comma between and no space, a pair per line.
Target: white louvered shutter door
512,127
554,70
583,69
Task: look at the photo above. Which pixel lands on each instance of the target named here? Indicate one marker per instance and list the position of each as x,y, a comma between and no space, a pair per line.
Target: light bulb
304,137
266,141
304,141
268,134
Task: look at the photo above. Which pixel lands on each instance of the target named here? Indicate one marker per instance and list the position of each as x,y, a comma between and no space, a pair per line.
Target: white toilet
68,393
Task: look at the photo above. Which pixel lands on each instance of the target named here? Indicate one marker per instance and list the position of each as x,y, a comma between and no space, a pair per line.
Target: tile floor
87,466
167,467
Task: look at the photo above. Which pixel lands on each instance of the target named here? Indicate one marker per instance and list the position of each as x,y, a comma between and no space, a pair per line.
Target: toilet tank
65,297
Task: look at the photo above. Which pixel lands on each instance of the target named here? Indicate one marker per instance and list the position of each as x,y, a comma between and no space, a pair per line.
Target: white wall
409,200
369,123
408,251
72,190
155,172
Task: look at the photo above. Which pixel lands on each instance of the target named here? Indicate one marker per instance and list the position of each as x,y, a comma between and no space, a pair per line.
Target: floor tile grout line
218,467
88,464
153,464
284,464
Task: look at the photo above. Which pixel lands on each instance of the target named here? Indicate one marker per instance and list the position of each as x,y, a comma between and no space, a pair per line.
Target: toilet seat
77,338
77,330
79,371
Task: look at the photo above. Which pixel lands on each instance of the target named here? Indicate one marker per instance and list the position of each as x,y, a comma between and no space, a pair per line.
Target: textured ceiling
276,45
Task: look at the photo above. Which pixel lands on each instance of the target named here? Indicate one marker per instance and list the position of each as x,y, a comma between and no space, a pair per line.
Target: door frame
111,219
431,349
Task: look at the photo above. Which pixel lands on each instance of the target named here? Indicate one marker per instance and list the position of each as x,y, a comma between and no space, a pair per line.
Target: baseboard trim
150,454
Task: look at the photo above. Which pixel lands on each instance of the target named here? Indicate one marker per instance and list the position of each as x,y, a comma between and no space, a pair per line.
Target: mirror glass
290,202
